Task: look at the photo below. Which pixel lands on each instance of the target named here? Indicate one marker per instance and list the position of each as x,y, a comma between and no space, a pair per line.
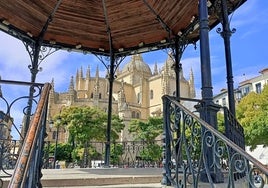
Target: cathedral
137,92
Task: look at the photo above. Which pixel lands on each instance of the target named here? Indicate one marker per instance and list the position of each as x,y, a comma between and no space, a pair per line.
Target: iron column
109,120
208,110
178,67
226,35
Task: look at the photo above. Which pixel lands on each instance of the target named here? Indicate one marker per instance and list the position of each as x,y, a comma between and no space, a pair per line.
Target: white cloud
14,58
250,17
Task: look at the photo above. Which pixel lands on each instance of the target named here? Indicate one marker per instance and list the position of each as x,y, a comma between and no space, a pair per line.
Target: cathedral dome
137,63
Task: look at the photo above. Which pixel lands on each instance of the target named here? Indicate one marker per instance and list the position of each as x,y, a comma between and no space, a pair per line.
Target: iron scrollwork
126,154
196,152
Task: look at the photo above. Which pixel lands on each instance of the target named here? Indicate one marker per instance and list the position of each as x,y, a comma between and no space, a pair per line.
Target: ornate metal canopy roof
101,26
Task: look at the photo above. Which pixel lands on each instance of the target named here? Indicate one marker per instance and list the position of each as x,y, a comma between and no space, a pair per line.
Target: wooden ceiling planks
85,22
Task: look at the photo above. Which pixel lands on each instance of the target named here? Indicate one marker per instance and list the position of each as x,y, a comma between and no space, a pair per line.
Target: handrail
20,83
34,138
188,168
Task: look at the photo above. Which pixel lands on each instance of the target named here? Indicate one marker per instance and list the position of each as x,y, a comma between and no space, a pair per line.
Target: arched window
151,94
99,95
139,98
133,114
91,95
138,115
54,135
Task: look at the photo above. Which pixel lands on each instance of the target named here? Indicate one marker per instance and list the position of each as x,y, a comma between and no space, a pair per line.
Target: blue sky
248,47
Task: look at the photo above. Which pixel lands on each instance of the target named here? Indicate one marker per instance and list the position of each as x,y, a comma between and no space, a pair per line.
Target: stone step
100,177
100,181
81,177
111,178
151,185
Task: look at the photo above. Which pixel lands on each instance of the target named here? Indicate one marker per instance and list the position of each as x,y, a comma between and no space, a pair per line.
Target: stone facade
5,126
254,84
137,91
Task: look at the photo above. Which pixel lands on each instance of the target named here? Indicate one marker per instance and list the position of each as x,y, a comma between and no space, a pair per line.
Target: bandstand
112,30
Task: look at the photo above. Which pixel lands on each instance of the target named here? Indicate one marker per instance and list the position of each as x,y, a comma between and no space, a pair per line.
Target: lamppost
58,121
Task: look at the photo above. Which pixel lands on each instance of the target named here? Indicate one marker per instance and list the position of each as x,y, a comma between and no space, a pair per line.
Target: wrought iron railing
127,154
233,130
15,109
27,172
195,153
21,159
8,157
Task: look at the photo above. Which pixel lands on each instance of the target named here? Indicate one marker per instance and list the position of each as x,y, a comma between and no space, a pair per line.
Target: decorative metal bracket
105,60
43,53
222,12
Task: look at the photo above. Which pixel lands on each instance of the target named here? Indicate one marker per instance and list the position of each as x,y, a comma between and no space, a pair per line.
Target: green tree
87,124
152,152
148,131
116,152
64,151
252,113
220,121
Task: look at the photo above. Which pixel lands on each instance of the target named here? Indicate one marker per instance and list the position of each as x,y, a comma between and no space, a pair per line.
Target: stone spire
71,85
165,85
52,92
88,73
166,76
77,74
71,92
97,72
87,80
191,83
96,93
79,79
133,61
81,72
171,65
121,97
168,65
137,57
155,69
